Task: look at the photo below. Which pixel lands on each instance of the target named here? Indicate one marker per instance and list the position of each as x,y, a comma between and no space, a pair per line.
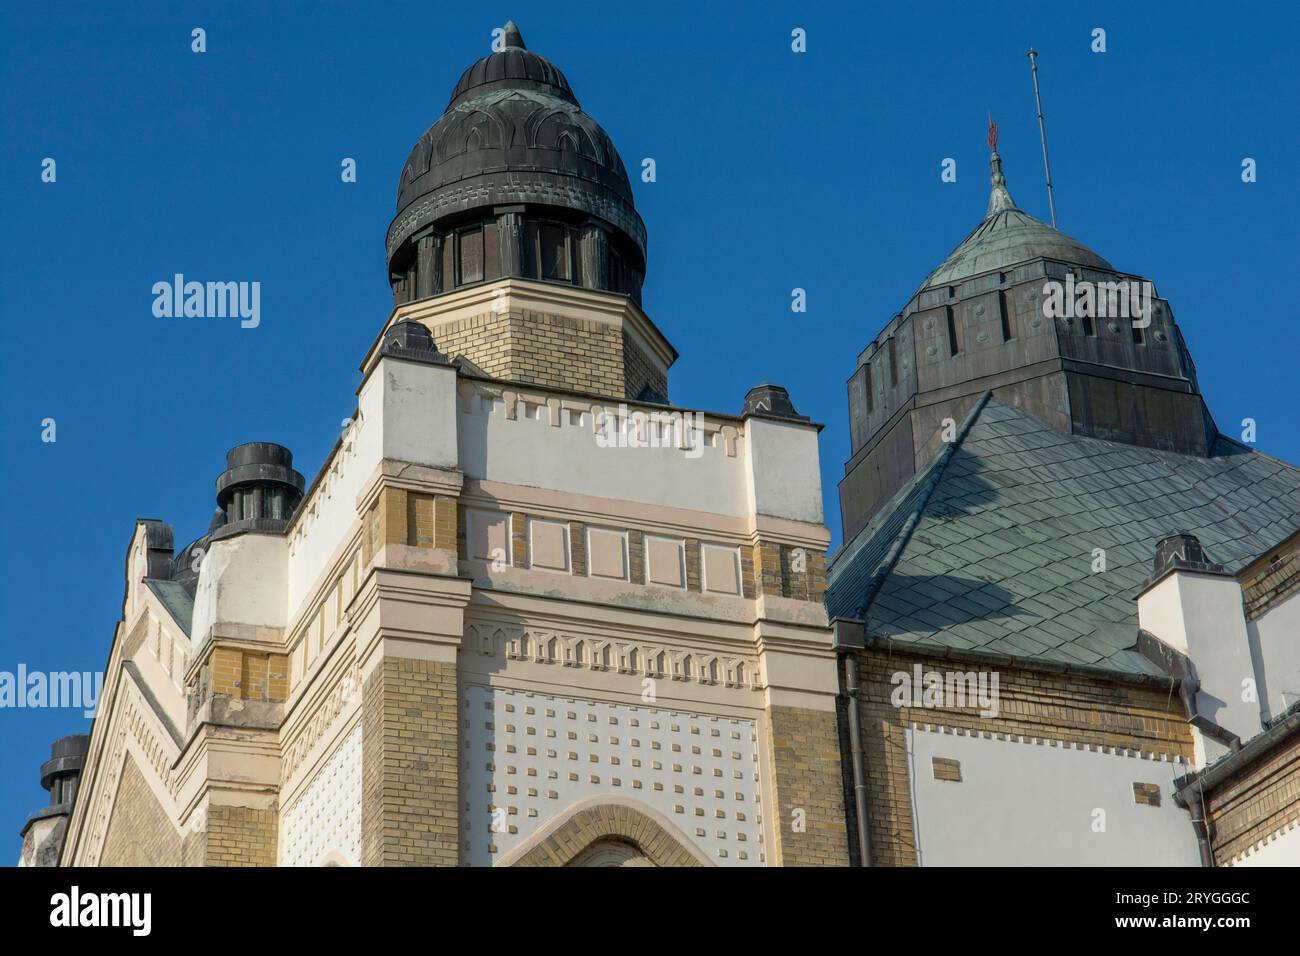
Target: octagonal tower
979,323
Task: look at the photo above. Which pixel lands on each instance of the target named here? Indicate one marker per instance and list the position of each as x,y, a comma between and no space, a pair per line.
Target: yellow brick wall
767,568
139,833
808,777
1255,802
241,836
519,539
748,578
639,372
194,848
445,529
410,812
781,570
406,517
392,516
419,520
247,675
553,350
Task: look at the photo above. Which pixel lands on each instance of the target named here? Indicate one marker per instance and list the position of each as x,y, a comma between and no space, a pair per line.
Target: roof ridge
904,535
1255,451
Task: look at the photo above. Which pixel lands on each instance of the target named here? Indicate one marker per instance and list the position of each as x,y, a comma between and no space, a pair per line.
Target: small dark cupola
770,401
44,830
1181,550
259,484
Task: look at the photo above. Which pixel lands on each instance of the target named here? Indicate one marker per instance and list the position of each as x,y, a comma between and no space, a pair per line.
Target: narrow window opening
470,243
448,263
530,249
491,251
554,251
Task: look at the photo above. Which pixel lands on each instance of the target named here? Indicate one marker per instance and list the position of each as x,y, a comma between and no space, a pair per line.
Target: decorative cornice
1099,749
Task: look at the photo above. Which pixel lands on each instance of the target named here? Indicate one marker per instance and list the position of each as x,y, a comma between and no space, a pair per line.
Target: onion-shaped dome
513,134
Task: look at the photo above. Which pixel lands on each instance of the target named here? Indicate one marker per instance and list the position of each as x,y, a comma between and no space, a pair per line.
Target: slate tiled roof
178,600
1000,553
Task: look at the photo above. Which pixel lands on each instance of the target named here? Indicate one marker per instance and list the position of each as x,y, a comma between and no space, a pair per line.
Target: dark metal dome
513,133
514,66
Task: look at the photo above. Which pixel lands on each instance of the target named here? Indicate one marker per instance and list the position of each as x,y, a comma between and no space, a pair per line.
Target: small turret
259,483
61,775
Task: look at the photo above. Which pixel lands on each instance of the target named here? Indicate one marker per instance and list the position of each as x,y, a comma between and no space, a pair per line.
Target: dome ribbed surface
1007,237
513,132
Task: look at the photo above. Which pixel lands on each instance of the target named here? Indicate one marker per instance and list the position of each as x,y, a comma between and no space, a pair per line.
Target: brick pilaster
410,771
809,792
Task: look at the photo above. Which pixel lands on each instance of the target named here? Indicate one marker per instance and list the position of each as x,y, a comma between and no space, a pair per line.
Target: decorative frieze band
137,721
1154,756
639,658
342,694
652,426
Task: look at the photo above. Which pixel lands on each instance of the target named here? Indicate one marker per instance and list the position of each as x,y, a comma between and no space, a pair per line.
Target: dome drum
259,482
549,243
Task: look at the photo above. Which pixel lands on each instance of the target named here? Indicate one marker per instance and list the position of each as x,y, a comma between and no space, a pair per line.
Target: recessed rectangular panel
607,553
489,536
721,569
665,561
549,545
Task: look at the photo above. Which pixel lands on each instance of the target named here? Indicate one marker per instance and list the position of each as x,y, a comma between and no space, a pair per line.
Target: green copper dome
1008,237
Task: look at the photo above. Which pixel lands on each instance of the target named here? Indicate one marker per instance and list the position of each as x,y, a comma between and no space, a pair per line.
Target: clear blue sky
775,170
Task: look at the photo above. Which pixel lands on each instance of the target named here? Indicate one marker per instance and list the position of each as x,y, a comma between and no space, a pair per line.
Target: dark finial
993,135
512,37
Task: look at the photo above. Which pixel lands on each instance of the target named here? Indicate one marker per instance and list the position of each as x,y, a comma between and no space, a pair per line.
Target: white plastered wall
406,411
1276,638
1041,804
783,478
529,450
323,826
1201,615
241,581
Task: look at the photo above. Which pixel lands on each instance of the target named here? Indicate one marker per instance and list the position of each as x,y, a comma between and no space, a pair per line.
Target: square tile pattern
531,757
326,819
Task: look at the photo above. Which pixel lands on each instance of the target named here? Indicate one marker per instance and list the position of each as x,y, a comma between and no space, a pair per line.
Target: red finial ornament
993,134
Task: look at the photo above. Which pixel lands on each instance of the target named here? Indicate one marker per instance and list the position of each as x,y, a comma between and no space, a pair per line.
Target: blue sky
775,171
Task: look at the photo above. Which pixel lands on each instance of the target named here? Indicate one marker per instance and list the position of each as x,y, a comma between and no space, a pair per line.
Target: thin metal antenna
1042,134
